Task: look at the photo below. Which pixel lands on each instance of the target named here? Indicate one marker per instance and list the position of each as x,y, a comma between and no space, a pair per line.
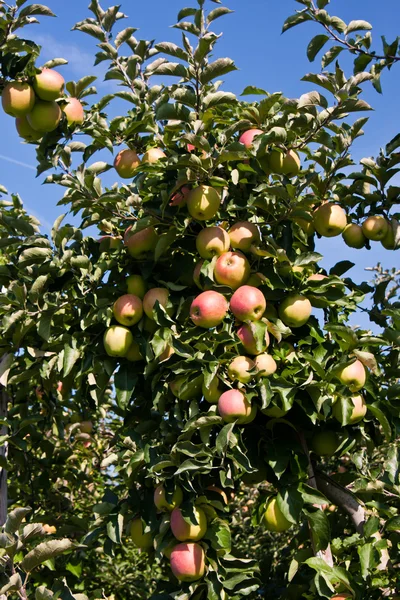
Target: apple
153,155
342,597
203,202
139,243
126,162
217,490
285,163
128,310
353,236
274,519
180,197
208,309
134,353
44,116
48,85
317,277
234,406
74,112
109,242
265,364
247,336
232,269
136,285
239,367
212,241
352,375
161,502
185,531
295,310
86,426
388,241
306,226
358,413
212,392
117,340
243,235
248,136
375,228
142,540
330,219
26,131
248,303
325,443
18,99
151,297
192,391
187,562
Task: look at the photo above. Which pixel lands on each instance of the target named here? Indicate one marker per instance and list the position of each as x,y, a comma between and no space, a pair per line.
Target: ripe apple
248,303
134,353
161,502
185,531
325,443
342,597
274,519
128,310
285,163
353,236
136,285
352,375
117,340
48,85
17,99
358,413
151,297
144,541
26,131
74,112
44,116
86,426
187,562
217,490
153,155
375,228
239,367
248,136
265,364
232,269
203,202
246,334
295,310
330,219
109,242
180,197
140,242
208,309
243,235
234,406
306,226
126,162
388,241
212,241
212,392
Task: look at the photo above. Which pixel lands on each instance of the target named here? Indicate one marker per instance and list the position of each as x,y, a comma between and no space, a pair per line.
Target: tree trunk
3,455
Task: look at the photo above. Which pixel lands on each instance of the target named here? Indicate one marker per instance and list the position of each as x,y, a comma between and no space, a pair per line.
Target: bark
342,498
3,453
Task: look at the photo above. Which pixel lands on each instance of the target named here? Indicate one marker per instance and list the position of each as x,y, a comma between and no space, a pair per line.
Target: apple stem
343,498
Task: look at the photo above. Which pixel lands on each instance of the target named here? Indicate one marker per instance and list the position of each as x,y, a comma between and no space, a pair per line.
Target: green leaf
45,551
71,355
217,13
42,593
5,367
13,584
320,528
357,26
115,528
172,50
44,325
171,69
15,518
316,44
330,55
36,9
293,20
125,382
290,502
218,533
124,35
224,438
219,67
217,98
55,62
186,12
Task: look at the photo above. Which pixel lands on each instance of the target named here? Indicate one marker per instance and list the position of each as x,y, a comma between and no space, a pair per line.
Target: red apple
187,562
180,197
212,241
232,269
74,112
140,242
151,297
358,413
247,137
209,309
243,235
239,367
246,334
17,99
126,162
265,364
353,375
153,155
185,531
128,310
234,406
248,303
49,85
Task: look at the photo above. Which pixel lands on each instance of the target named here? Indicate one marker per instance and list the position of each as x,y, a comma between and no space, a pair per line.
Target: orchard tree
188,383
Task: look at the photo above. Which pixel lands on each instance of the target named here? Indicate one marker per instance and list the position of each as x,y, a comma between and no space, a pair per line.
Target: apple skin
128,310
126,162
180,197
248,303
273,518
375,228
203,202
149,300
353,236
117,340
208,309
134,354
153,155
329,219
388,241
295,310
136,285
196,273
213,392
247,137
86,426
48,85
44,116
212,241
353,375
359,410
144,541
265,364
306,226
187,562
109,242
74,112
232,269
193,391
25,131
317,277
284,163
161,502
238,369
17,99
233,405
140,242
342,597
187,532
243,235
325,443
246,336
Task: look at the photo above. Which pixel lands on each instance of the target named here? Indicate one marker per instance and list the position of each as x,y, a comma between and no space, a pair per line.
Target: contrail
17,162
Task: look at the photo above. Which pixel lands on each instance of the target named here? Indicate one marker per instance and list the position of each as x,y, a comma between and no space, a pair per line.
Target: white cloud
79,62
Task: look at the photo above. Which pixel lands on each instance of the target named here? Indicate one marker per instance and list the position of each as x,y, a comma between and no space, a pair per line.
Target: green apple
239,367
136,285
295,310
126,162
325,443
117,340
161,502
353,236
48,85
18,99
375,228
330,219
142,540
212,241
203,202
274,519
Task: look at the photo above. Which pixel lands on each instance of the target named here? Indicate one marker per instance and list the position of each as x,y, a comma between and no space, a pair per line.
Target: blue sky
252,37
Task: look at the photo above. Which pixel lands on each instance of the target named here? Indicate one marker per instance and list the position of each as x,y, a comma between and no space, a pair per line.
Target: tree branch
343,498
